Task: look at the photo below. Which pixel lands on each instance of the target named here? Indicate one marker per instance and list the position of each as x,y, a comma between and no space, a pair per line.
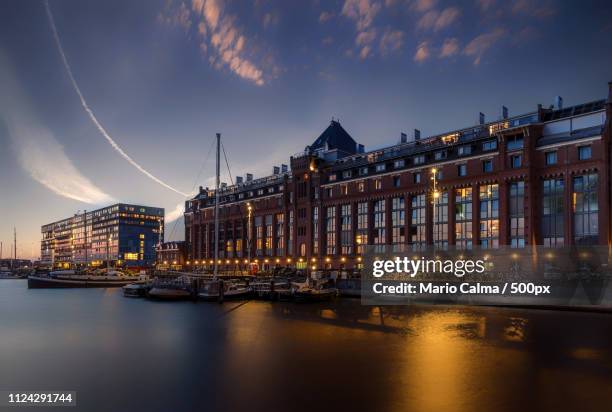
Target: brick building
541,178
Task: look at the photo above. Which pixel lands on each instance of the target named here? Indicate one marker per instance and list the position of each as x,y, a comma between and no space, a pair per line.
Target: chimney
284,168
504,112
417,134
249,177
238,180
481,118
559,102
275,170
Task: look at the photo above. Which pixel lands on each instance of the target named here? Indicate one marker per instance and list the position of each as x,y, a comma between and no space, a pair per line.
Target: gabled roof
335,137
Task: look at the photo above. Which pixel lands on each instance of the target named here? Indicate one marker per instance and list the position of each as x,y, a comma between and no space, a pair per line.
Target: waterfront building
120,234
172,255
540,178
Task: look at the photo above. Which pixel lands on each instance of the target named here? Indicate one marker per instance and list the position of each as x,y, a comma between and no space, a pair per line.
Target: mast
85,226
217,183
15,246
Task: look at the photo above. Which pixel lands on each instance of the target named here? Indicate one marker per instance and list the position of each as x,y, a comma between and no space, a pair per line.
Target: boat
231,291
273,290
110,278
175,289
313,291
135,290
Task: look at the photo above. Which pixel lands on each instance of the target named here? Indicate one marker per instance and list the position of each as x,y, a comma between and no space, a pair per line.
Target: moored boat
81,279
135,290
175,289
313,291
210,291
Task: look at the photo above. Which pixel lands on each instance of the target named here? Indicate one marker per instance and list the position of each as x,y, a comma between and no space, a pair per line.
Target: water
133,354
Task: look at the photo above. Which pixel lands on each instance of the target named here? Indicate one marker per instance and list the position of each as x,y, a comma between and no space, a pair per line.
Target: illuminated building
122,234
541,178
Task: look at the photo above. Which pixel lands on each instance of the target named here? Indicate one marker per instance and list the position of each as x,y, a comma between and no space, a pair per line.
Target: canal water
132,354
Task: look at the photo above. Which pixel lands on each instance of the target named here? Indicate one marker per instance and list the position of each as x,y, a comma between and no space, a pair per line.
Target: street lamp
249,234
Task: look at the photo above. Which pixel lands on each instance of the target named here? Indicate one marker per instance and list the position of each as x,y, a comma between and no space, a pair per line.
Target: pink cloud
434,20
391,40
450,47
422,52
480,44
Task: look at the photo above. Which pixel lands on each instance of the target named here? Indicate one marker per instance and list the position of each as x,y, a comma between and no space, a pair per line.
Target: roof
335,137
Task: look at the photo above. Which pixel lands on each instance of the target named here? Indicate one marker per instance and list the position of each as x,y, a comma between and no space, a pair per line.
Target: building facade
121,234
172,255
542,178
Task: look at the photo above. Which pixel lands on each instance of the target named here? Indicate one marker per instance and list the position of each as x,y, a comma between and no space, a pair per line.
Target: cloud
224,41
270,19
534,8
434,20
176,213
363,13
180,17
391,40
325,16
450,47
485,4
422,52
480,44
37,150
423,5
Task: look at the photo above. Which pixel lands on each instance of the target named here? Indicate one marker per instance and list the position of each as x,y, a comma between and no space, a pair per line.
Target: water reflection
262,356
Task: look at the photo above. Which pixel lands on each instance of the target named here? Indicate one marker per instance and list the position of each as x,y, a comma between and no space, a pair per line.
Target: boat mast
217,183
15,246
85,226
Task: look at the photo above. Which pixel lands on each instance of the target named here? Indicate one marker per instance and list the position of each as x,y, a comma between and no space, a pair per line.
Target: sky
122,101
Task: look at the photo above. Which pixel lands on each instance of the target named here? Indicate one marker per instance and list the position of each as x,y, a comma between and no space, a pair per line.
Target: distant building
540,178
15,263
121,234
171,255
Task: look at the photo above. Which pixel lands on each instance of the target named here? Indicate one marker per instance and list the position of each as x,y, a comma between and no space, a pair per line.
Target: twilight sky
161,77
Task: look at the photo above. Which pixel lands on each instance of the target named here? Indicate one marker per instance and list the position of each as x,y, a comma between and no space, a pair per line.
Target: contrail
92,116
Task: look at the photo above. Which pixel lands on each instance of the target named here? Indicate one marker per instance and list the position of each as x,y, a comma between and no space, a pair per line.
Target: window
380,233
440,221
329,192
464,150
290,237
398,164
280,234
489,145
361,186
398,222
463,218
417,222
259,235
363,171
551,158
514,143
489,214
346,230
440,155
517,214
462,170
380,167
269,229
439,174
487,166
584,152
330,225
396,181
586,209
515,161
332,177
378,184
344,189
362,226
552,213
315,230
417,160
347,174
416,177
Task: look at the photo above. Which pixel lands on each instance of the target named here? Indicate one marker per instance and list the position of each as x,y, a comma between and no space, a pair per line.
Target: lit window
378,184
332,177
344,189
361,186
584,152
